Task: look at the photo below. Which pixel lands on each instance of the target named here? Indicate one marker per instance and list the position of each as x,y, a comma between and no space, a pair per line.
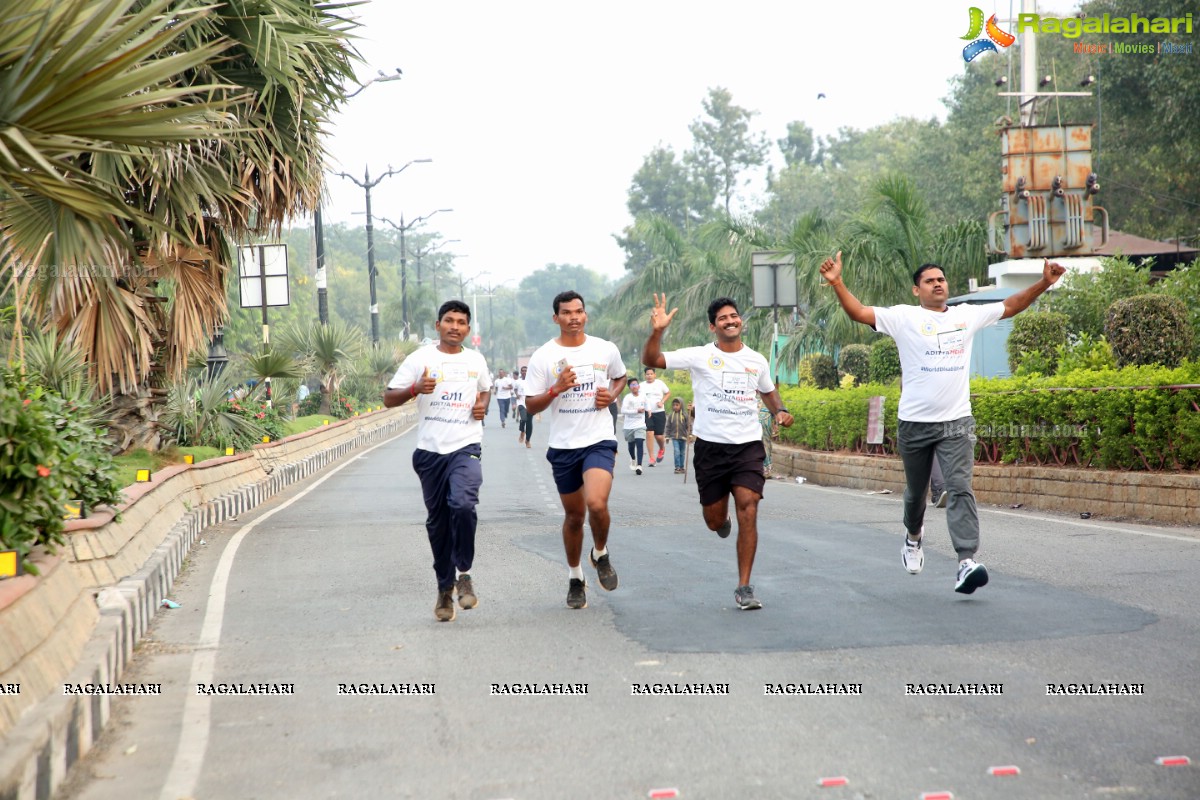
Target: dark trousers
526,424
450,485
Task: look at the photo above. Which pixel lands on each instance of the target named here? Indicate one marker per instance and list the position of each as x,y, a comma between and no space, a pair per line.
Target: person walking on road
727,378
678,429
656,393
504,392
524,418
934,341
633,414
577,376
451,385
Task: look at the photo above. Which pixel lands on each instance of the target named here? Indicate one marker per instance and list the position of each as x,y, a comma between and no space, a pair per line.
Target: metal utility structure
1047,208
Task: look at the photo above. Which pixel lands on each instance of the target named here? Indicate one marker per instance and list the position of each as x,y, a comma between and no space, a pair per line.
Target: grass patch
302,424
128,464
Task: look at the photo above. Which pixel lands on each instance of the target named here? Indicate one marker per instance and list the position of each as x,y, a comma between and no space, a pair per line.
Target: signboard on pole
263,271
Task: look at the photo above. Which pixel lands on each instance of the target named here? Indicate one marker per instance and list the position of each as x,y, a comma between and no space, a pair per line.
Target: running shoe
465,591
637,470
444,610
725,528
651,464
911,554
604,570
576,596
632,465
971,575
942,498
661,453
744,596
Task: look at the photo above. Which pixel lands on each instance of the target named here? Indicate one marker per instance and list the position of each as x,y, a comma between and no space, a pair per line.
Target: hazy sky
537,114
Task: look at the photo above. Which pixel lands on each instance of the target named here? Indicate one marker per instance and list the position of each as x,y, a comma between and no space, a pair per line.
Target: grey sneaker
465,591
911,554
744,596
971,576
576,596
604,570
444,610
942,498
725,528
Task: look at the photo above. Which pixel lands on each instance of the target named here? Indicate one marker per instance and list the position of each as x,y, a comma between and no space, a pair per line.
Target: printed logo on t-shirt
928,328
716,362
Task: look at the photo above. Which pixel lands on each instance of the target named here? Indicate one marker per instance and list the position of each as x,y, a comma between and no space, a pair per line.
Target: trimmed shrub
1149,329
1085,353
817,369
1033,345
884,361
855,359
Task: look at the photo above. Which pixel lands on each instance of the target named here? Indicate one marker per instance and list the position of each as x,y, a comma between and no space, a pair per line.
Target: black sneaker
725,528
465,591
604,571
576,596
444,610
971,576
744,596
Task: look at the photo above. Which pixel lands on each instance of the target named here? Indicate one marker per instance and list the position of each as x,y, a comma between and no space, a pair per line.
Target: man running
656,393
451,386
727,377
577,376
504,392
524,418
934,341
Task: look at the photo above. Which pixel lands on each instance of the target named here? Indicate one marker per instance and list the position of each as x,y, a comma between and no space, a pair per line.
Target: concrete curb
52,736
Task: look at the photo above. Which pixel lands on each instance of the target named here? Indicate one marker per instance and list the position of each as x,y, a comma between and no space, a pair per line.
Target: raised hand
1052,271
659,318
831,268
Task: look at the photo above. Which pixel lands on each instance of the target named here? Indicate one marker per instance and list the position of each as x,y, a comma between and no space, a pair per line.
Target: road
330,583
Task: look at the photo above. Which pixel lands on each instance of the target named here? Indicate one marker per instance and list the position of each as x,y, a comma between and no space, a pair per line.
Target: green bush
1034,342
1085,297
1085,353
855,359
885,361
1184,283
1149,329
837,419
50,455
817,369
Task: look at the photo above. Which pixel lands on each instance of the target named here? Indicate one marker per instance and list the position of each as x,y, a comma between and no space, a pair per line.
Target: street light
422,253
318,227
367,185
404,260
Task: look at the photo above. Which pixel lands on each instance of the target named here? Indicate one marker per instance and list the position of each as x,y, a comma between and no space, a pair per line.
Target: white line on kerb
1057,520
197,708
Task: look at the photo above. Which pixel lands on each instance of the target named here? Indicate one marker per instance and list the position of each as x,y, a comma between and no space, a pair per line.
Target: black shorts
569,465
720,467
656,422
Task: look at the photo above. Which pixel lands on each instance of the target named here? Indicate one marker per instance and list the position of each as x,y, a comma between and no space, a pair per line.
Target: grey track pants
953,444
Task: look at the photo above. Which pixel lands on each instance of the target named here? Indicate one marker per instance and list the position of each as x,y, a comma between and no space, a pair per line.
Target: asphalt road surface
329,586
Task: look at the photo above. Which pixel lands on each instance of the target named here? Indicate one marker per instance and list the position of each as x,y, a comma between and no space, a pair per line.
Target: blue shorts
569,465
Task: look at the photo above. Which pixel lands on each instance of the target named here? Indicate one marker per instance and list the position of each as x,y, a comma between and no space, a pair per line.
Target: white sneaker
633,465
971,576
911,554
637,470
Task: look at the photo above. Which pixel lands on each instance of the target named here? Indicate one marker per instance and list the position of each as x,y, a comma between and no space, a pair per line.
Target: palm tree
142,135
330,350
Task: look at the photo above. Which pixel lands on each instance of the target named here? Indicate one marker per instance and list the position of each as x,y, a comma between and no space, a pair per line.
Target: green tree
724,145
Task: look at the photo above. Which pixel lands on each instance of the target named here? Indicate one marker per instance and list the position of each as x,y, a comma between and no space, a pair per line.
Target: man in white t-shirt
934,342
504,392
633,413
656,393
577,376
727,378
451,385
524,418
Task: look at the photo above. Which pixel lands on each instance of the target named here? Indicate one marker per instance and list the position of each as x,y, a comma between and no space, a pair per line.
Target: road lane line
197,709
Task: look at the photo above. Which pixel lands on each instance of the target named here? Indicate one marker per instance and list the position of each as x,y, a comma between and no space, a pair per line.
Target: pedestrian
727,378
678,429
656,393
934,342
524,418
577,376
633,414
452,386
503,389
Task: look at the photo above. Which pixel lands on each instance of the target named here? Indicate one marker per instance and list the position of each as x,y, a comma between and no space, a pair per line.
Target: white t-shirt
633,412
445,422
575,421
935,356
725,389
519,391
654,392
504,388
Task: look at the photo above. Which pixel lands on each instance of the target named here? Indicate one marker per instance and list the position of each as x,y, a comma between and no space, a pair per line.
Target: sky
536,114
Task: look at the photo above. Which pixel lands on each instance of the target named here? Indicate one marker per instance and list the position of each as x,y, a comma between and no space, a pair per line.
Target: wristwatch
783,411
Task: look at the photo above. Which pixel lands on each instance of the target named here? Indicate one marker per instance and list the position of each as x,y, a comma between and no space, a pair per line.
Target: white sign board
773,278
261,264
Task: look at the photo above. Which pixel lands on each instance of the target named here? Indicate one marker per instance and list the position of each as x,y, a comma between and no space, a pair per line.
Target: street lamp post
367,185
422,253
403,228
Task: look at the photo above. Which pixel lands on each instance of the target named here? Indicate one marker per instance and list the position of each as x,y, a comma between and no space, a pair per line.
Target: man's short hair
633,382
921,271
717,305
566,297
454,305
648,370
